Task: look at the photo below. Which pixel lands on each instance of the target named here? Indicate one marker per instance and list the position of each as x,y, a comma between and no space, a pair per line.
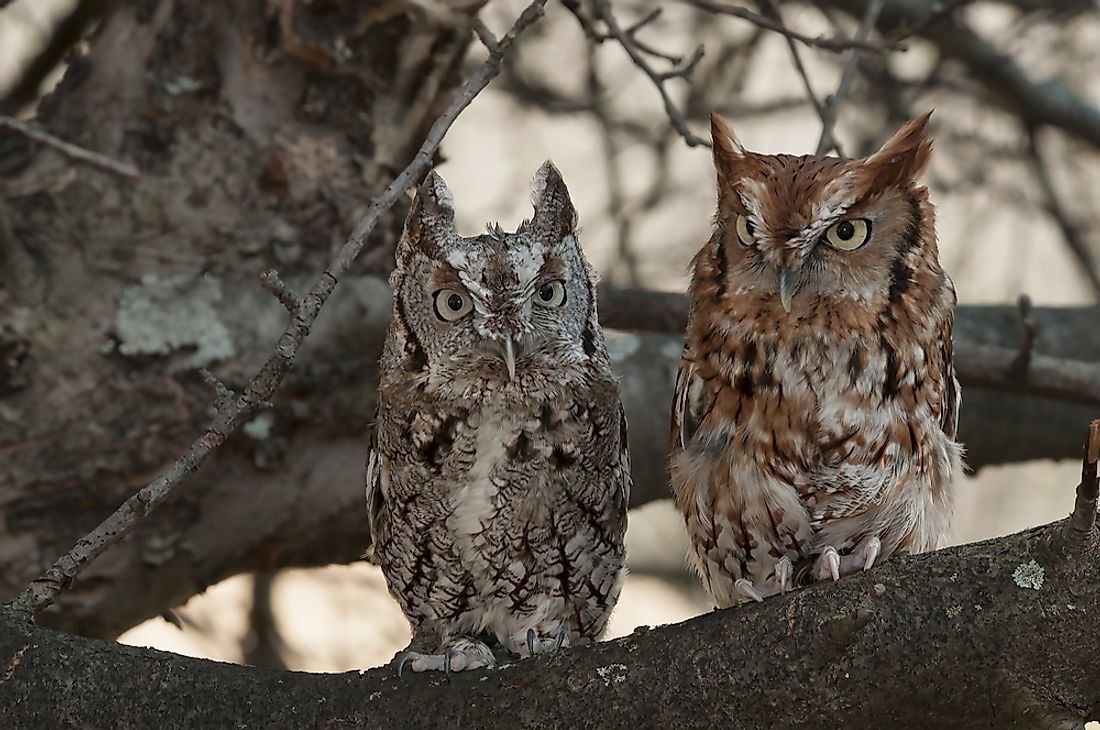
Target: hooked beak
789,282
510,356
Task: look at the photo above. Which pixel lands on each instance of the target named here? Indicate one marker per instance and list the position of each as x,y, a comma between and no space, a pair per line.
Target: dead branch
832,104
835,45
43,590
626,40
812,658
70,150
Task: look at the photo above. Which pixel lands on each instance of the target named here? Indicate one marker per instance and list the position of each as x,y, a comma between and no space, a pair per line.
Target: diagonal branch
70,150
43,590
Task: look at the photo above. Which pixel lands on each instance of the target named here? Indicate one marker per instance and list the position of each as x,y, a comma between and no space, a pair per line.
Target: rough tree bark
260,135
995,634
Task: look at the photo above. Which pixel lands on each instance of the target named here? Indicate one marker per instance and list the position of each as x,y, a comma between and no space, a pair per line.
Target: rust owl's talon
828,564
870,552
745,587
783,572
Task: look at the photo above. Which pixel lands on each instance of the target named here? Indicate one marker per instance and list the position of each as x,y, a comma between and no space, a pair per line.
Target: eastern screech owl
813,426
498,477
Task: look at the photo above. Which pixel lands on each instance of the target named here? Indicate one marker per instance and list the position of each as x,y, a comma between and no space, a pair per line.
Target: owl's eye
551,294
451,304
744,230
848,235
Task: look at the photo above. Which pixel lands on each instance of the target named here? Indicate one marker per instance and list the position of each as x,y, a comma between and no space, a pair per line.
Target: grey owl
498,478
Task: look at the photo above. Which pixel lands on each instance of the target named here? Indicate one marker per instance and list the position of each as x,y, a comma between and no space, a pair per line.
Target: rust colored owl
815,414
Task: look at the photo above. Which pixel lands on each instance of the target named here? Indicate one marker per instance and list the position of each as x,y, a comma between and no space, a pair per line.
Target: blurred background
1014,174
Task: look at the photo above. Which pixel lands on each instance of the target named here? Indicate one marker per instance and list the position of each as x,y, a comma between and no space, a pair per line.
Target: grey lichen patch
1029,575
622,346
259,428
164,314
612,674
953,611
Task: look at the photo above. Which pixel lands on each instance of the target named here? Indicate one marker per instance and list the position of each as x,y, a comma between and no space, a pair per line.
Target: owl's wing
376,494
621,497
949,418
691,402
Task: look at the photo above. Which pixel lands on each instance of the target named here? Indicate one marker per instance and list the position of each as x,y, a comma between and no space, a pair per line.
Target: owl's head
498,306
798,231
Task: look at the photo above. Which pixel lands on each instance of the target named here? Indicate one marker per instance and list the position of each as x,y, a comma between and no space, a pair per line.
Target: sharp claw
874,545
832,561
747,589
783,572
561,639
531,642
447,662
401,662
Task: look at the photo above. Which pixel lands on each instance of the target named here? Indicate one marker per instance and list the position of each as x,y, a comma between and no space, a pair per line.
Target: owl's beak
789,282
510,356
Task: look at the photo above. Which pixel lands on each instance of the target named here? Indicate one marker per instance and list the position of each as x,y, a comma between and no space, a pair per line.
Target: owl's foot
461,654
830,564
863,557
538,643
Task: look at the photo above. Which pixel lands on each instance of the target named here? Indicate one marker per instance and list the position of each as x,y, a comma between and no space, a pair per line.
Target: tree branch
832,104
831,655
70,150
43,590
636,55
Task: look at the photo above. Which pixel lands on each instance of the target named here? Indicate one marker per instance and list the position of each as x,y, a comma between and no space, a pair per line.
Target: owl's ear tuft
729,154
431,219
902,159
555,216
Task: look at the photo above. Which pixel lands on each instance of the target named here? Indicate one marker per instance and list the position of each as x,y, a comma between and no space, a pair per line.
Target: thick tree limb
1001,629
302,313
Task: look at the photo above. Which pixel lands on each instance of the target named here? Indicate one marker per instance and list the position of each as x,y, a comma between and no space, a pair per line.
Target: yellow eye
451,304
848,235
744,230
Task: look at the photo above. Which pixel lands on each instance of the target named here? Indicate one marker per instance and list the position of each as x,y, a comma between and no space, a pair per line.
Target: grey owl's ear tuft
431,219
902,159
555,217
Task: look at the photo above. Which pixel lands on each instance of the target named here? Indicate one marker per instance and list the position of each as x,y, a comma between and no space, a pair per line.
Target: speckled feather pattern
498,505
832,423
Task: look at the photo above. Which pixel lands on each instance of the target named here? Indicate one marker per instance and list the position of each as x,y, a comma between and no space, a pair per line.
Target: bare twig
222,394
835,45
1022,361
1071,230
43,590
1081,529
636,55
286,296
485,35
70,150
832,104
796,58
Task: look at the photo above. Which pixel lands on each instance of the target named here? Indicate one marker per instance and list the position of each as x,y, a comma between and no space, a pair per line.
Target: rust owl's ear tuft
902,159
431,219
728,152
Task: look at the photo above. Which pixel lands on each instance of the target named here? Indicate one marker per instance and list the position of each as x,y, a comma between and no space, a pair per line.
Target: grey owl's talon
561,640
447,662
401,662
531,642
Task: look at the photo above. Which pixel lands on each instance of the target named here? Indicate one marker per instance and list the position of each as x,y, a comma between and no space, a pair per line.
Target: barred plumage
816,404
498,477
